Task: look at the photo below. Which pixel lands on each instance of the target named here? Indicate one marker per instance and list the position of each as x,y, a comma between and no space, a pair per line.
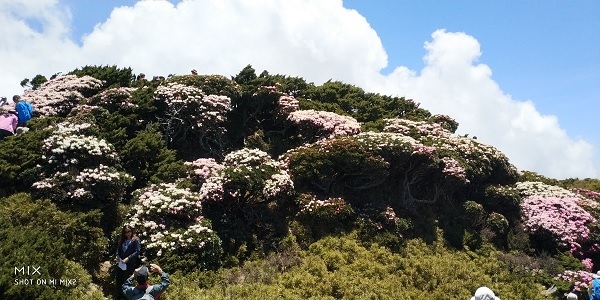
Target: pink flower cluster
61,94
203,168
587,194
453,169
288,104
530,188
579,279
561,217
325,124
390,216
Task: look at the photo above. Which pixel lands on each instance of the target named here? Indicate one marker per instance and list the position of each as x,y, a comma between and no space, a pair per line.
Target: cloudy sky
523,76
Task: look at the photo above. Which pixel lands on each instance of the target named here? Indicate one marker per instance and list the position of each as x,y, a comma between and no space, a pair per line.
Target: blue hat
141,276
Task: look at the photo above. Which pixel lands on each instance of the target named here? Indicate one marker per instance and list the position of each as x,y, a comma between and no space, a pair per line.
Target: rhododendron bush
247,176
343,166
466,157
190,112
173,230
80,170
59,95
322,124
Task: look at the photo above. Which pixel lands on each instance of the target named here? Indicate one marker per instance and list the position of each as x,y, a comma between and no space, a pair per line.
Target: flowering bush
531,188
190,112
201,169
335,208
580,280
59,95
80,171
566,221
170,223
114,99
323,124
464,158
248,176
416,129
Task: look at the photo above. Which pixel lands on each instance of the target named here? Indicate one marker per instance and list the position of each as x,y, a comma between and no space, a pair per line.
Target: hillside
265,186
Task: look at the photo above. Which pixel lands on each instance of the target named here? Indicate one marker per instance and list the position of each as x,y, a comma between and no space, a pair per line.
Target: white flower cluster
66,149
542,190
248,157
102,173
279,183
179,93
421,128
274,178
192,238
61,94
169,218
203,111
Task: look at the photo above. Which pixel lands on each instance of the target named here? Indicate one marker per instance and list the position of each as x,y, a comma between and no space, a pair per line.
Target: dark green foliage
147,158
81,231
37,234
19,157
35,83
365,107
111,75
504,200
210,84
339,168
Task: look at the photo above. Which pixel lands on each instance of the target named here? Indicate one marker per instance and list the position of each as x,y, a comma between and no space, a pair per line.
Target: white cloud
454,83
315,39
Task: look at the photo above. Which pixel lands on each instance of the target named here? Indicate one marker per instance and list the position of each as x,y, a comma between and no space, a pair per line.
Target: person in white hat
484,293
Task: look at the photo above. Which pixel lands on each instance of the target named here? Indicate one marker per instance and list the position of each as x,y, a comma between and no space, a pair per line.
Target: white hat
484,293
571,296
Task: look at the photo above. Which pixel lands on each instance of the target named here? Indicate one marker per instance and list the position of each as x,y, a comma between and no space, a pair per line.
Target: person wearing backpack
143,290
24,110
594,289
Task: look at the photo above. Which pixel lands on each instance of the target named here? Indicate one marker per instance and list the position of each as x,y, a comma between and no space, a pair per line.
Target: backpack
141,294
595,290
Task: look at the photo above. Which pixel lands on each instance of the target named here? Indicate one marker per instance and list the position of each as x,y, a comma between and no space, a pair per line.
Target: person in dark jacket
128,254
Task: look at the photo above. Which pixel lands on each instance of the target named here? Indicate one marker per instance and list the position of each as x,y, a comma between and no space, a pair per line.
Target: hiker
128,253
24,110
594,289
143,290
194,72
484,293
8,124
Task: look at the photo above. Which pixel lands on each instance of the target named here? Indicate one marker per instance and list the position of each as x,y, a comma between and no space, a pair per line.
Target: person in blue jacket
24,110
143,288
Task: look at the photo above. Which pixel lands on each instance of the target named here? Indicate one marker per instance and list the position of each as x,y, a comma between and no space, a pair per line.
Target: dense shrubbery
268,186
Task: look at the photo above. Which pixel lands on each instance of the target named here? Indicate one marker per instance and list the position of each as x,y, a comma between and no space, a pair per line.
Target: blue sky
546,51
522,75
